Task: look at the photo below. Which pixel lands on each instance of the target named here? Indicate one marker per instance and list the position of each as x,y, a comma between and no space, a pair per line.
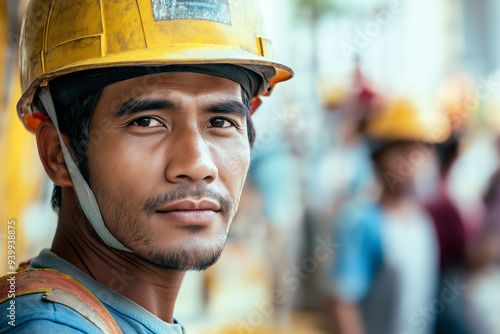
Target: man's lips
191,205
201,212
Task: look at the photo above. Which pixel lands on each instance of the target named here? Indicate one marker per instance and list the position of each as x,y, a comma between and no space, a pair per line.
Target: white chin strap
85,195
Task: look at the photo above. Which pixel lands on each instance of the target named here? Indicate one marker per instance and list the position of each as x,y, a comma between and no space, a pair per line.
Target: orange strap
46,280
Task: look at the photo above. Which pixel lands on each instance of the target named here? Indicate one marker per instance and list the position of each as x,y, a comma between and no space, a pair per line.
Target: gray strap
85,195
73,302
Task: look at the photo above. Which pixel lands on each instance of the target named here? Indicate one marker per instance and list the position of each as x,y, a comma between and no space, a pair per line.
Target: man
384,279
142,118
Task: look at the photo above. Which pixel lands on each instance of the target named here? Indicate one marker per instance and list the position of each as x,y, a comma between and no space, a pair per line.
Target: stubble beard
141,239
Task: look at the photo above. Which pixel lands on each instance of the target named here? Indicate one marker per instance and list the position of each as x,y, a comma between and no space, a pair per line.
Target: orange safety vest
62,289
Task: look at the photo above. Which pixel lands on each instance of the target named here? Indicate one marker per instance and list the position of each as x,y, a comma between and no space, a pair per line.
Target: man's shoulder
62,283
358,216
51,301
31,314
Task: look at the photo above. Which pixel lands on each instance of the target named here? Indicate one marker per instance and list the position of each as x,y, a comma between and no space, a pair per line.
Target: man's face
406,166
170,167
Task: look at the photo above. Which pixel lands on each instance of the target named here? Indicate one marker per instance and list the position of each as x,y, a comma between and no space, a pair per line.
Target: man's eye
220,123
147,122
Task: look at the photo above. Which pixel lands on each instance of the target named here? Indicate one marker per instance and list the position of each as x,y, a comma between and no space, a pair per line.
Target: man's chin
184,259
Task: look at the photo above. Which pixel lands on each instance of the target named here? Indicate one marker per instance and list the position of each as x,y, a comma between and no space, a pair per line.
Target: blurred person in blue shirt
384,277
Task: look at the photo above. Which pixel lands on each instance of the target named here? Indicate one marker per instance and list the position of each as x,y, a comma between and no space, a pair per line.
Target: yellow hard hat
61,37
402,121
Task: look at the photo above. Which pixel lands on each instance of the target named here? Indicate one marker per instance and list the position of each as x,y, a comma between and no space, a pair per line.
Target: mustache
184,191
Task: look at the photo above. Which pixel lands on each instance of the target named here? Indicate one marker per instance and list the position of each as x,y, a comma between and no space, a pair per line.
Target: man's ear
51,154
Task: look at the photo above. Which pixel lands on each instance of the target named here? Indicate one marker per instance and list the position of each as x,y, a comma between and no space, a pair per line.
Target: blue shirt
358,231
32,315
387,265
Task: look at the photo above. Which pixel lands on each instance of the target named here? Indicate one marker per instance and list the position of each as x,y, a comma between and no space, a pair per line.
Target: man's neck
153,288
397,199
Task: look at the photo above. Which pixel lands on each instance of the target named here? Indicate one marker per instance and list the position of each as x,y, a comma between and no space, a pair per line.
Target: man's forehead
174,89
187,82
173,85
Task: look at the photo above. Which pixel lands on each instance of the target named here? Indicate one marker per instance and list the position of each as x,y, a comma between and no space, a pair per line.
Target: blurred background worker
310,159
386,266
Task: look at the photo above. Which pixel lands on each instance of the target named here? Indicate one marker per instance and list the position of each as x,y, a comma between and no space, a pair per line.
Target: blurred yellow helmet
402,121
333,94
61,37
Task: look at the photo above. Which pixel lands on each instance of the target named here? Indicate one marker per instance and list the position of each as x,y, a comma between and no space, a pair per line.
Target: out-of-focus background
373,198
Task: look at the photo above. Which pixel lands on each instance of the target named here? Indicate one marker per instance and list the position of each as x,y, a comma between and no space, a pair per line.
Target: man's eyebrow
136,105
230,107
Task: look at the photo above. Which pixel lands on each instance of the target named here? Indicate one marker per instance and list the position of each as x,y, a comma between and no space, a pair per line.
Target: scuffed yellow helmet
60,37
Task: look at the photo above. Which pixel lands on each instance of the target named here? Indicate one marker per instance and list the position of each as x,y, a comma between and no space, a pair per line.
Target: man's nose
190,159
